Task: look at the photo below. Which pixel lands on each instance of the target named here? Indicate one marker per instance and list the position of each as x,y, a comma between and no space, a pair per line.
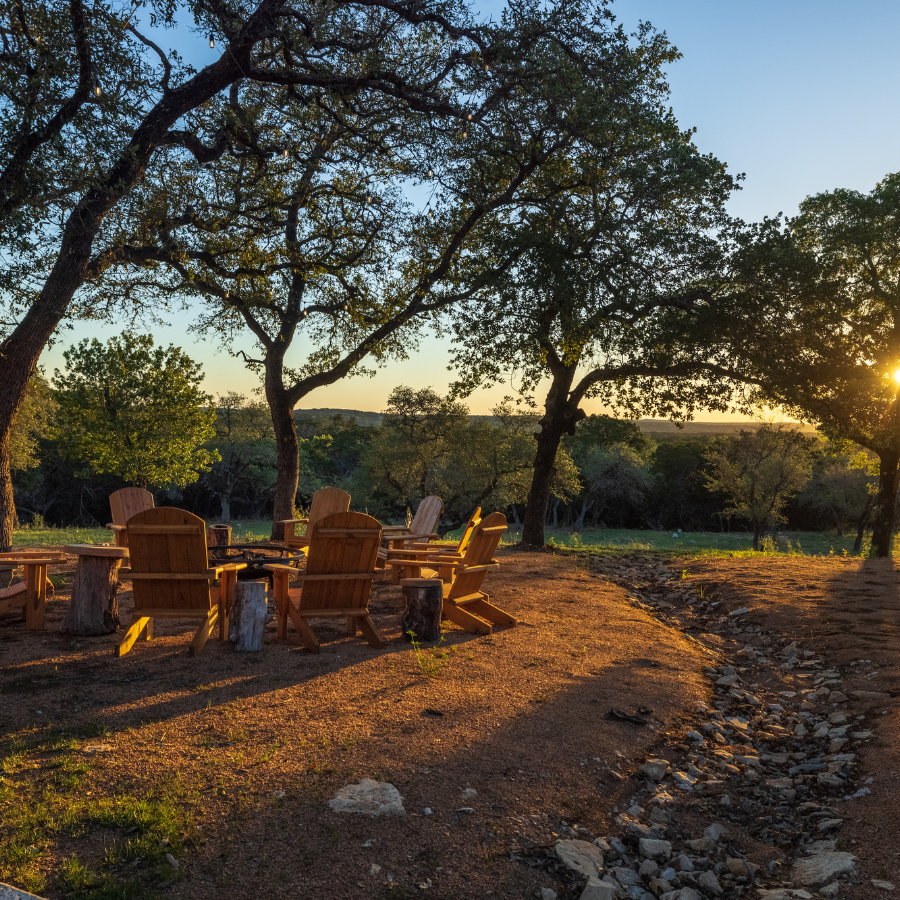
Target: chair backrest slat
128,502
482,546
471,525
325,502
427,516
169,540
348,545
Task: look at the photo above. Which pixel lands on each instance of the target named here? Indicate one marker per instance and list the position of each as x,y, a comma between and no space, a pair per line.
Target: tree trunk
883,530
838,521
515,514
861,524
247,621
758,529
579,522
561,417
7,502
94,608
287,457
556,502
218,536
422,616
225,500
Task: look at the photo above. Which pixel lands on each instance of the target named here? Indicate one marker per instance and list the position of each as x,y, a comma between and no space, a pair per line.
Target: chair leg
306,634
351,626
148,631
464,619
370,632
491,613
132,635
223,606
203,632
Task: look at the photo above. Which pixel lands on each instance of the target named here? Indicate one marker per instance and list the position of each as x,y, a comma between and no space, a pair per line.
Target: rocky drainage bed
744,800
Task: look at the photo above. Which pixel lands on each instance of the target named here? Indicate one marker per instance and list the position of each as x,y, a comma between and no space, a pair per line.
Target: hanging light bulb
285,152
212,42
430,172
469,117
97,89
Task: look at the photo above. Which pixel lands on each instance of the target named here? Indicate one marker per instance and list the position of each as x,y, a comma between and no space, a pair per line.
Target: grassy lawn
702,543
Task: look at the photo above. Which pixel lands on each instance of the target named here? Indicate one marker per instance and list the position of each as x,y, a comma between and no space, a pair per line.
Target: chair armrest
280,567
230,567
112,527
425,554
292,521
394,529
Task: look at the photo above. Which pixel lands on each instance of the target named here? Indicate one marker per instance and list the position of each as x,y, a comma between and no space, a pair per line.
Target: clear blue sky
799,95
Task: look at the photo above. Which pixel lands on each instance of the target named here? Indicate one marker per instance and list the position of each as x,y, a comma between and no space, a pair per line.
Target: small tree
760,471
133,410
615,478
245,444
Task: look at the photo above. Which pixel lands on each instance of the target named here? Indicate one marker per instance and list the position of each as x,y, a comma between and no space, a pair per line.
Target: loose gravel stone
822,868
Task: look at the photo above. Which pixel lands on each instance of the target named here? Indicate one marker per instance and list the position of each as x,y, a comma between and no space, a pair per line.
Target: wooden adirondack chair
324,503
124,504
465,603
171,576
340,566
426,555
420,531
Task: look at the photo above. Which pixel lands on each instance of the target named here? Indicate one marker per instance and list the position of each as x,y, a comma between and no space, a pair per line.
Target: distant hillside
662,429
665,429
362,417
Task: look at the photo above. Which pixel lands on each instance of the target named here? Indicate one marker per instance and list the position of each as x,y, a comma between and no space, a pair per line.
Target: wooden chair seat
171,576
464,602
338,579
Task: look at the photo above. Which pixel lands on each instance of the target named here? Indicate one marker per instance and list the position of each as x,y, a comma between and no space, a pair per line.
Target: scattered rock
830,890
654,849
738,866
709,883
598,890
369,798
468,793
773,894
654,769
822,868
580,857
278,795
172,861
870,695
548,894
837,697
883,885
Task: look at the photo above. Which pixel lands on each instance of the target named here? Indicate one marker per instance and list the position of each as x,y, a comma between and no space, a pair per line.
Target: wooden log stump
247,620
94,608
424,597
218,536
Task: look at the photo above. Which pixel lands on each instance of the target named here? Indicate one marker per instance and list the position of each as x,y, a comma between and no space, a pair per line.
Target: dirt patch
259,743
849,611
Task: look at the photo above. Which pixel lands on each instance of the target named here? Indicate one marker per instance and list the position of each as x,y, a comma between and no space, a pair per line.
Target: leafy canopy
131,409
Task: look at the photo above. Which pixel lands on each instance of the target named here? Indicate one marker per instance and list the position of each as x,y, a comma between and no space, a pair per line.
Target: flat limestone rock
581,857
8,892
869,695
369,798
822,868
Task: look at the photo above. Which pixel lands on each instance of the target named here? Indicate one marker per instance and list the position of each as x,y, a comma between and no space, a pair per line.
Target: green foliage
759,472
33,421
133,410
245,446
428,444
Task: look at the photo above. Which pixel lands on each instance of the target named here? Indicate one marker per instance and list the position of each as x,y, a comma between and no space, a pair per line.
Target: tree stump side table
94,608
422,617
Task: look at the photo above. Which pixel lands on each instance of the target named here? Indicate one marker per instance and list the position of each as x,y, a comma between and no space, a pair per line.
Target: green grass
615,540
49,537
702,543
46,797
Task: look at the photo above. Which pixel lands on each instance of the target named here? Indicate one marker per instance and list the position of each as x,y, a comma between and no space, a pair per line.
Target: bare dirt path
252,747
